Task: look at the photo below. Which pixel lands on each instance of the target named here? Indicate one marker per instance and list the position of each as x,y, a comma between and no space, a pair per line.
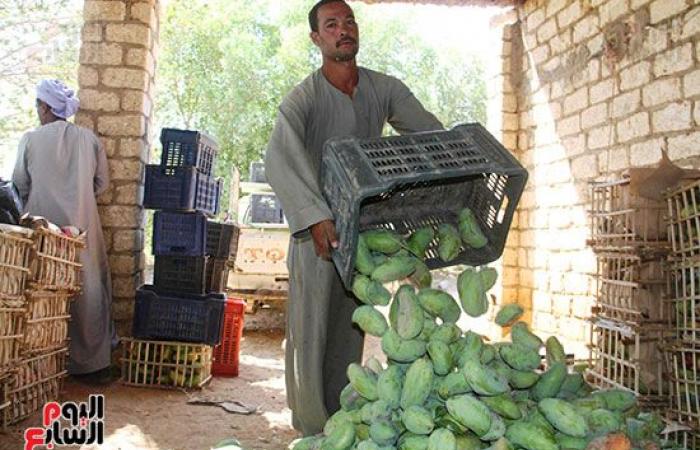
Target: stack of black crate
186,301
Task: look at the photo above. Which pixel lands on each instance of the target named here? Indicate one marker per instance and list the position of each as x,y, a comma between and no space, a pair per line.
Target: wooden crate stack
39,277
683,353
630,317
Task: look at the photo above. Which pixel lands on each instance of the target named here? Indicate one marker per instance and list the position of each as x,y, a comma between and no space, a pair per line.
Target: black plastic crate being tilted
180,274
187,318
265,208
181,189
222,239
407,182
186,148
179,234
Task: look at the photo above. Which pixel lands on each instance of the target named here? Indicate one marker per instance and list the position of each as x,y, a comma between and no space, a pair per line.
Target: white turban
59,97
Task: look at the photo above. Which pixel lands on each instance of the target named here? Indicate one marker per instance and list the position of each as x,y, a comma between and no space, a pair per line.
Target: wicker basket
46,321
15,243
4,398
630,358
166,364
36,382
55,262
11,336
622,220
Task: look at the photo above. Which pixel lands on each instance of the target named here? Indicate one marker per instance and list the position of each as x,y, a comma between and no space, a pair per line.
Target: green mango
418,383
440,304
449,243
419,241
363,257
442,439
441,356
508,314
363,380
472,293
390,385
370,320
418,420
382,241
564,417
471,413
470,231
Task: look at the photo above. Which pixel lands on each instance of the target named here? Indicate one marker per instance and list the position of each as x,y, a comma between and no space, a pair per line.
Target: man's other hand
323,234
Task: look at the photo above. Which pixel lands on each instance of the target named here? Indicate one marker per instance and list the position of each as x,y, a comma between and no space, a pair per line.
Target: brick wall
116,79
603,85
503,123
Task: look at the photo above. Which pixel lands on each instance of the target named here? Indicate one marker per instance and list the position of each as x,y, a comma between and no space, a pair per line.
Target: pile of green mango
448,389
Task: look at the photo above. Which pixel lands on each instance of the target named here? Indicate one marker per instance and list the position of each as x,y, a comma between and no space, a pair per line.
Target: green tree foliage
38,39
225,65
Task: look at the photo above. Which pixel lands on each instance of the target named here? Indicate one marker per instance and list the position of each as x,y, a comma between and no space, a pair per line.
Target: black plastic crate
180,274
407,182
265,208
179,234
217,274
186,318
222,240
257,172
187,148
181,189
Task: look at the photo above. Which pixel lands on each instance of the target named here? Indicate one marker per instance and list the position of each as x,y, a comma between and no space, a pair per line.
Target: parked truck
259,272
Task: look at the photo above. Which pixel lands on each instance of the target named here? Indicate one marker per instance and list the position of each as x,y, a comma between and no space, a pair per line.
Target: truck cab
259,271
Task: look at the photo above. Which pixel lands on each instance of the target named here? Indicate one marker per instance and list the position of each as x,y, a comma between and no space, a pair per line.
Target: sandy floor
154,419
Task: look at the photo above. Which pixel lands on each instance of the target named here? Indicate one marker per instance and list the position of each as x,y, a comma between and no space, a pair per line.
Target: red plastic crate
226,353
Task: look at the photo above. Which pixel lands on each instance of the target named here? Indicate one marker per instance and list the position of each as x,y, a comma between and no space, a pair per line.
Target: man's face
338,37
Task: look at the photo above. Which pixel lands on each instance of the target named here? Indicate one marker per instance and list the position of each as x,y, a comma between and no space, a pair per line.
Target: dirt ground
156,419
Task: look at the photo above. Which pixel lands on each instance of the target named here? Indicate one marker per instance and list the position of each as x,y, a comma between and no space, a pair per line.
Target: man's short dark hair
313,14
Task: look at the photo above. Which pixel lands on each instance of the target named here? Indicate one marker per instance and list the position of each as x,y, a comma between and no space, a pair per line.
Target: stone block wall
116,80
604,85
